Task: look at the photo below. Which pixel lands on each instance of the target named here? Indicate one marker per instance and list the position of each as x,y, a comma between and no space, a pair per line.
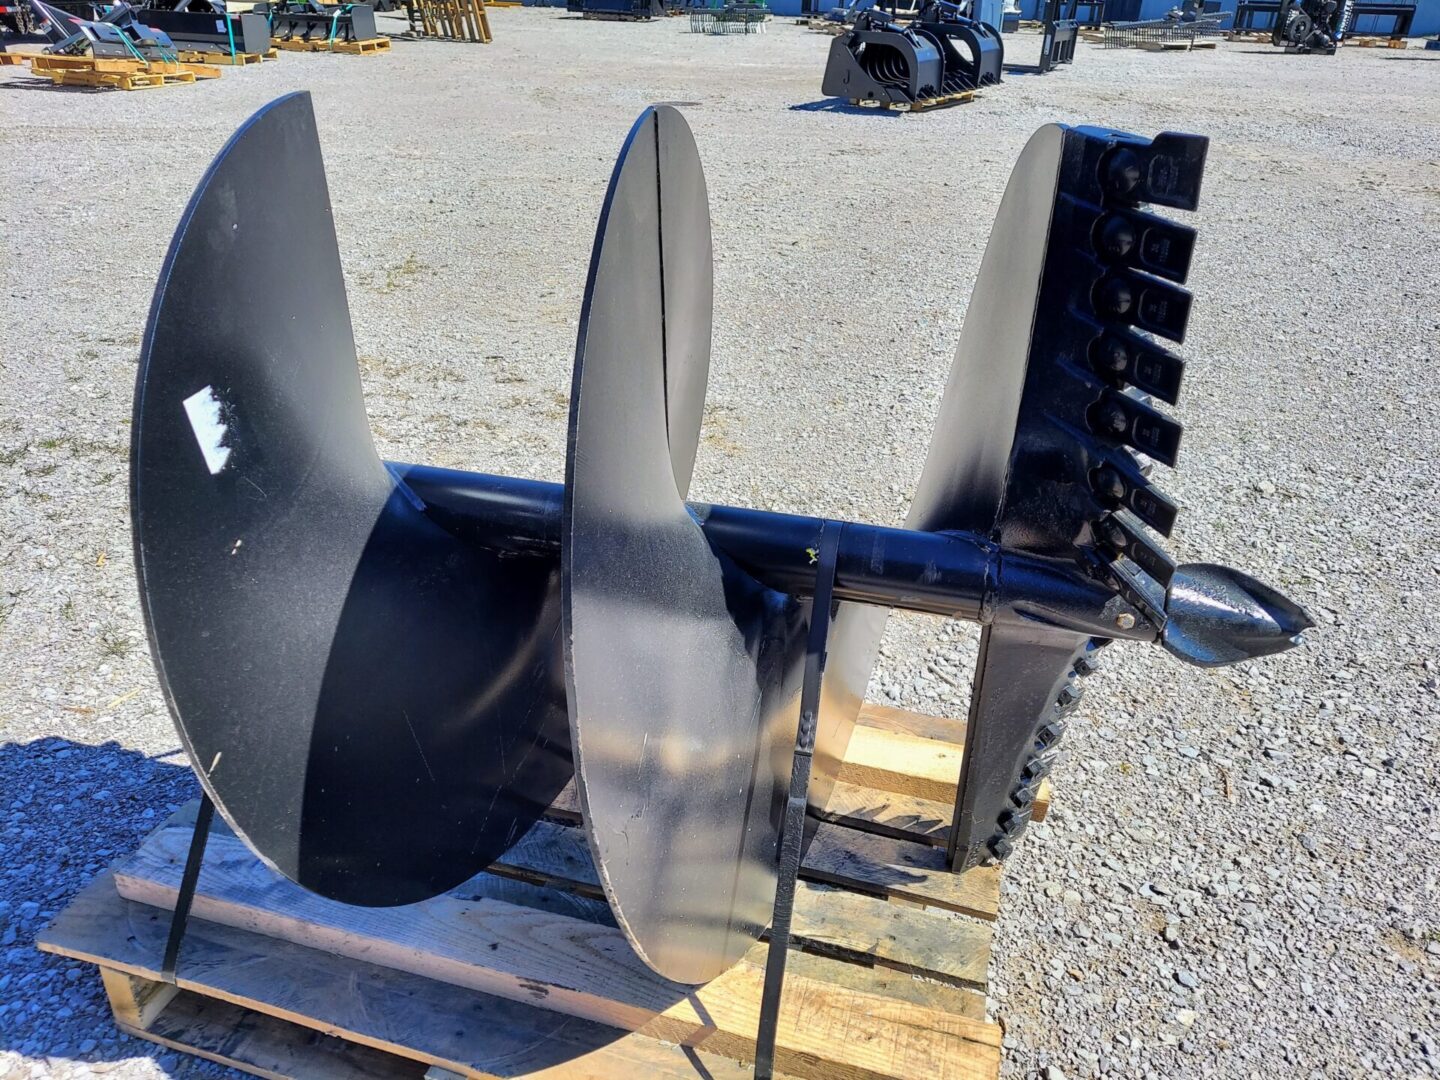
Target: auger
384,673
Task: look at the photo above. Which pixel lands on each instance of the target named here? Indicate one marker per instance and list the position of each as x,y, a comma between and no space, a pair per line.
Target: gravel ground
1238,876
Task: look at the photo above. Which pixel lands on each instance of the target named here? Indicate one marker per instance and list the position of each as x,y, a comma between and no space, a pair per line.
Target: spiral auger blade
374,705
683,671
1042,432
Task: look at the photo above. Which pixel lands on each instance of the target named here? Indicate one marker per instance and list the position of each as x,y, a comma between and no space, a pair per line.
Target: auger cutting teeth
1124,359
1141,241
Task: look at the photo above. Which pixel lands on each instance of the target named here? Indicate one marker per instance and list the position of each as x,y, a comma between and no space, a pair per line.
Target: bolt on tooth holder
383,673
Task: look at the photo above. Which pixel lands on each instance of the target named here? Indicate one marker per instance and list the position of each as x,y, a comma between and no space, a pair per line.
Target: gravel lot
1238,878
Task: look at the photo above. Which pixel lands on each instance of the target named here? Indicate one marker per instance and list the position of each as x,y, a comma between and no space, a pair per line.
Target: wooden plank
906,764
400,1013
901,817
574,967
828,921
889,718
894,868
265,1046
841,924
203,56
883,981
113,65
861,806
944,729
890,981
879,865
135,1001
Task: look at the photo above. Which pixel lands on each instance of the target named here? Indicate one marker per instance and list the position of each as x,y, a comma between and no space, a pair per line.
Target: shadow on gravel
69,810
842,106
46,86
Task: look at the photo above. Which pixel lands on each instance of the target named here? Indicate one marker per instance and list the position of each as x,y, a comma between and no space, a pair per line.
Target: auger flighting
384,673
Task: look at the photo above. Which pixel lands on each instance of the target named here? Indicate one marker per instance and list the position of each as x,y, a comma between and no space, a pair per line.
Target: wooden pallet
11,59
1378,42
116,80
1255,37
522,972
454,20
943,102
113,65
368,47
225,59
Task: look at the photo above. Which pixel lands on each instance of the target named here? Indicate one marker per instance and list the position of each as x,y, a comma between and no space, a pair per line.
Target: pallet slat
523,972
412,1017
368,47
580,968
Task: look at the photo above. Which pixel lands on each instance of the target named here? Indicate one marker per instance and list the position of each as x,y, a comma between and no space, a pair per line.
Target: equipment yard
1238,874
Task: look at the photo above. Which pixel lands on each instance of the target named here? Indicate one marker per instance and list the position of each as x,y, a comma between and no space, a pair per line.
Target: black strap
792,828
203,816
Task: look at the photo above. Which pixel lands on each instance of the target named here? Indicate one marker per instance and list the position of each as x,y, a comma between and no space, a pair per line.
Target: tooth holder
375,667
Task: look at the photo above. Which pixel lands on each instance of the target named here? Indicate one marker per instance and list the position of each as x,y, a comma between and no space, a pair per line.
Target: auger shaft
957,575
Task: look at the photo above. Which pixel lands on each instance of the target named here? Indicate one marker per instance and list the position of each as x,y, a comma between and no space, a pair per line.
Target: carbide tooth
1039,766
1013,822
1024,796
1119,356
1119,484
999,847
1121,418
1067,699
1133,238
1088,662
1048,735
1140,300
1128,538
1166,170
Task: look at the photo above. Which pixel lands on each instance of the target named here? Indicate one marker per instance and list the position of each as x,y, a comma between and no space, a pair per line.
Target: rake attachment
942,53
384,673
310,20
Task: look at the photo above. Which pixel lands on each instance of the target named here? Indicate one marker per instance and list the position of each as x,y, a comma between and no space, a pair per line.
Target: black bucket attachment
942,54
971,51
212,31
384,673
309,20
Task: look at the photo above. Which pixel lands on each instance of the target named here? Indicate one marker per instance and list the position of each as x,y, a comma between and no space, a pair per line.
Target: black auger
384,673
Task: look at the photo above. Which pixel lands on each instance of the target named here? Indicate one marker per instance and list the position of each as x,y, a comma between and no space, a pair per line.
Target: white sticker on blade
203,409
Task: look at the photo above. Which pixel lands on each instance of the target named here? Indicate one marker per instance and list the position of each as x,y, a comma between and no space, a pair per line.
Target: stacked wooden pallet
118,73
225,59
455,20
522,972
368,47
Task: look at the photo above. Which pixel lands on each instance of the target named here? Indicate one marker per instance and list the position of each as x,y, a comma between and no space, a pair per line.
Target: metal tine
1121,356
1126,420
1125,536
1139,300
1124,236
1121,483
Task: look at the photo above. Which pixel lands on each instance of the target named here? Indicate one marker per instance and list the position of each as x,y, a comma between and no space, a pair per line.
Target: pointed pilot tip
1216,616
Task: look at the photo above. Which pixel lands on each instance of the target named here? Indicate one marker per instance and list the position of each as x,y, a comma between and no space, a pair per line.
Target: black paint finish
375,705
